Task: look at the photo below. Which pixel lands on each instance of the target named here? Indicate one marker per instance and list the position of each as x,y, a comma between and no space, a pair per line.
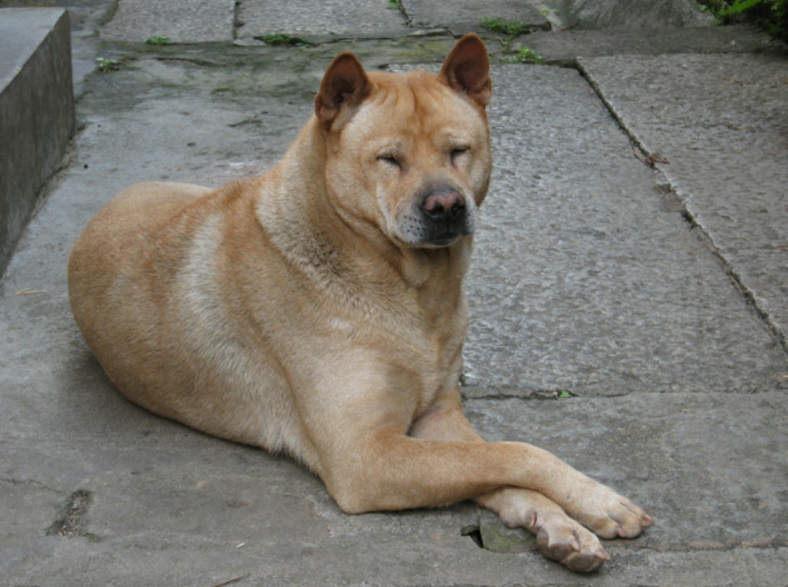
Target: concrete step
36,111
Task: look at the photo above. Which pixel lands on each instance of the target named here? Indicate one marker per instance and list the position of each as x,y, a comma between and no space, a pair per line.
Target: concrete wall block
36,111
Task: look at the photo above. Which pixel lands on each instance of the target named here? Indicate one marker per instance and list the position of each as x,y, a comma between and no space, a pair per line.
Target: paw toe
581,562
615,517
556,550
576,548
630,520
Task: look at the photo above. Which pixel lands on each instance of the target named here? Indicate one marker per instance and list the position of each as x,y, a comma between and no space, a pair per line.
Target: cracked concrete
589,277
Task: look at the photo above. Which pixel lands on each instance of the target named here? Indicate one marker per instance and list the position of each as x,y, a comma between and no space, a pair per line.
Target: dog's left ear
344,86
467,69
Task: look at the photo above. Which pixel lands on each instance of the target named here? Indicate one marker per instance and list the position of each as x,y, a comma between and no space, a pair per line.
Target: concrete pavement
654,295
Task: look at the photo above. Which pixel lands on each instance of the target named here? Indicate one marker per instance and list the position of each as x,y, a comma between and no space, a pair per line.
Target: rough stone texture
585,274
184,21
36,111
566,46
720,121
462,17
345,19
630,14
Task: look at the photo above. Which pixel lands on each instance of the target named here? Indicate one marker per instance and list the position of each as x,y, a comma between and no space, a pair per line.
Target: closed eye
390,160
458,151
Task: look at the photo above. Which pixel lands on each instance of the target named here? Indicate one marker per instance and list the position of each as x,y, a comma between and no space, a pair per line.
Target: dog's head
409,154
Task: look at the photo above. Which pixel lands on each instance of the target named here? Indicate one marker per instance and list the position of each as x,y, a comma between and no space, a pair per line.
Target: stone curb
36,109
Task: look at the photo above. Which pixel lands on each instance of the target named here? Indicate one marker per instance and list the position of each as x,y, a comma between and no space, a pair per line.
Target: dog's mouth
443,239
423,233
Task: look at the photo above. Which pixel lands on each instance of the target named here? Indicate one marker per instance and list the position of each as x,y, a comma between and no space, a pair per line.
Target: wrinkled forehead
415,103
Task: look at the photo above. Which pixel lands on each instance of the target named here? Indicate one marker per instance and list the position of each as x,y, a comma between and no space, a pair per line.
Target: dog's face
409,153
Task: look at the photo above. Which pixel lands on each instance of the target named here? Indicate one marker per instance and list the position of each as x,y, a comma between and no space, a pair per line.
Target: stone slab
185,21
464,16
720,121
629,14
328,19
566,46
36,111
586,276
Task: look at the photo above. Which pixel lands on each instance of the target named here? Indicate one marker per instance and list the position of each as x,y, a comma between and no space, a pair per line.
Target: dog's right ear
344,86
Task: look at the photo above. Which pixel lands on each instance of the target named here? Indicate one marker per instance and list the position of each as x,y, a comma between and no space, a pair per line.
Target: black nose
444,207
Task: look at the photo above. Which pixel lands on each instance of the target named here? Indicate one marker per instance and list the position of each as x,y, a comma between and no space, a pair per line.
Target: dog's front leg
358,426
559,537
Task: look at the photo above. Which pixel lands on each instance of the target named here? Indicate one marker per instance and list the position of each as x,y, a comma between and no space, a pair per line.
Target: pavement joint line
542,395
738,283
35,483
593,85
619,546
746,294
236,18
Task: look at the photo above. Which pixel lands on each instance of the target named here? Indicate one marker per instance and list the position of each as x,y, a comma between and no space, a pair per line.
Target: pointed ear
467,69
344,86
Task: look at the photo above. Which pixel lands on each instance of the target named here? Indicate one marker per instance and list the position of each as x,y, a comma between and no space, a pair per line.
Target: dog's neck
302,221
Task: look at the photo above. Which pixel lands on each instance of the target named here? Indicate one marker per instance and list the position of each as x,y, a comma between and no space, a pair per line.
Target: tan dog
318,311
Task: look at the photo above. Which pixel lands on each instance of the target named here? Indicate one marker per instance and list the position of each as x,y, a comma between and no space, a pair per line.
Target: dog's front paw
558,536
609,515
562,539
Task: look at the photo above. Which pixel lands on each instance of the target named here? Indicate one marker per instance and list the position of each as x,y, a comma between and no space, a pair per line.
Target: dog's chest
424,354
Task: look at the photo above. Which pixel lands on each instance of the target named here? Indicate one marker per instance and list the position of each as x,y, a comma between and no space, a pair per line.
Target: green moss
511,28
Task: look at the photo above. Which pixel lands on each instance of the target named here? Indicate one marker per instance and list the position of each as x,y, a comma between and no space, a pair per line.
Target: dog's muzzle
436,218
445,216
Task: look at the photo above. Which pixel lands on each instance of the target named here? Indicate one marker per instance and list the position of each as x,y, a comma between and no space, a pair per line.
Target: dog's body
318,310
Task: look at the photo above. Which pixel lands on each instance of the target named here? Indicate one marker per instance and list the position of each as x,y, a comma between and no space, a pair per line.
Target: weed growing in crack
106,65
510,28
525,56
157,40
